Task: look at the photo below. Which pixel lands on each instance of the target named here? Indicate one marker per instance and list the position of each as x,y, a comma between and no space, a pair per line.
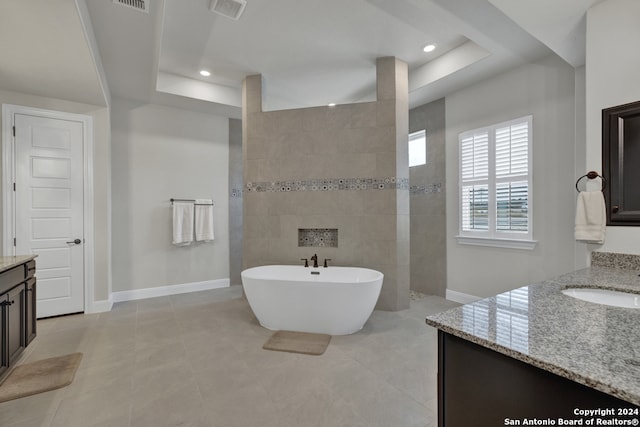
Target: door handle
76,241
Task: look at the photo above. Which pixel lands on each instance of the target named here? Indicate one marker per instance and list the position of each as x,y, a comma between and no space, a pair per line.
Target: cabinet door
30,310
15,306
4,329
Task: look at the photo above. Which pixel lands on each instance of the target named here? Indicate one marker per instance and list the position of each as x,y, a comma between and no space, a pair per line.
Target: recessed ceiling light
429,48
205,73
332,104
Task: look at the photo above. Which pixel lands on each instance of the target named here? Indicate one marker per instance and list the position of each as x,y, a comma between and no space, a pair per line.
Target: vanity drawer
11,278
30,268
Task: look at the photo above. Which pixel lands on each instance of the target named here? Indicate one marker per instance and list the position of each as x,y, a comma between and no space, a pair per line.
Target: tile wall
342,167
428,217
235,201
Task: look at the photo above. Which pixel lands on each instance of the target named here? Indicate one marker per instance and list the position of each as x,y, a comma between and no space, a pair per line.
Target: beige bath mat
38,377
298,342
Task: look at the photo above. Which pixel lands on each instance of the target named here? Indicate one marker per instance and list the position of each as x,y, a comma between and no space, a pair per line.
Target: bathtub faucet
314,258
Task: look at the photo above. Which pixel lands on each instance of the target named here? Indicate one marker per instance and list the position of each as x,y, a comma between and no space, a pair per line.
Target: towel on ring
204,220
182,223
591,217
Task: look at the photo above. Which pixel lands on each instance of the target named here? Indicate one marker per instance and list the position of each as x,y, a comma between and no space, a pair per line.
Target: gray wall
545,89
360,141
235,202
428,218
160,153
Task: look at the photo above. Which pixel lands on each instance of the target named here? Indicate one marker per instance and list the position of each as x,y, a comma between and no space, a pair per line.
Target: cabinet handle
76,241
615,209
6,303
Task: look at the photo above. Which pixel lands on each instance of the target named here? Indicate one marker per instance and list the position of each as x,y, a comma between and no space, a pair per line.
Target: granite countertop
8,262
591,344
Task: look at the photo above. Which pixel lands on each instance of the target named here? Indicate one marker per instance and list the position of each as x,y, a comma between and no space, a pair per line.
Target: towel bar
190,200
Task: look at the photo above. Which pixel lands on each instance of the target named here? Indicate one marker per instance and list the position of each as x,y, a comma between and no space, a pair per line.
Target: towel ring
592,175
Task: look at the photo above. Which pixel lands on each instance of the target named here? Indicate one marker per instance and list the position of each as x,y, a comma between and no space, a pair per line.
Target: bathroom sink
605,296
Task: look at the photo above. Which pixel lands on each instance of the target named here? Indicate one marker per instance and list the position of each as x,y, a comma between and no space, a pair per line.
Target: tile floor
196,360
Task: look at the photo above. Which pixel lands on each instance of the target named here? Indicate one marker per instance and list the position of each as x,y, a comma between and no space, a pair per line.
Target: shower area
428,248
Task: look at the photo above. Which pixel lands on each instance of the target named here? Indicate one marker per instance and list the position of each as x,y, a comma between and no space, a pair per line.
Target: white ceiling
43,51
309,52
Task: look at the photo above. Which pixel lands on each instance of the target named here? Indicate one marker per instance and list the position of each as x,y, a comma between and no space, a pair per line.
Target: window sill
497,243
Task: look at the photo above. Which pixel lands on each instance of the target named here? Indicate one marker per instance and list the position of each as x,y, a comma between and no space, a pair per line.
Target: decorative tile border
425,189
321,237
614,260
330,184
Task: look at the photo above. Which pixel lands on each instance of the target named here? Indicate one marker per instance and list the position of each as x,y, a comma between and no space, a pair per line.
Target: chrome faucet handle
306,261
325,262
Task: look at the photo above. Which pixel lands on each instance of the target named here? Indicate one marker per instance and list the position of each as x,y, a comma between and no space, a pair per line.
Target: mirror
620,160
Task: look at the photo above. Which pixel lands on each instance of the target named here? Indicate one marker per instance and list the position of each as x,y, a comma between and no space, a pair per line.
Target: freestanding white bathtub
333,300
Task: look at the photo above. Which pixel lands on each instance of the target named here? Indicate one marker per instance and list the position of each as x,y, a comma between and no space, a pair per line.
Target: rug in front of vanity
38,377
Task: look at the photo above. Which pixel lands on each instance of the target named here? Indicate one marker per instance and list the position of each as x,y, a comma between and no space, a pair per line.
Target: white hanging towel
204,220
182,223
591,217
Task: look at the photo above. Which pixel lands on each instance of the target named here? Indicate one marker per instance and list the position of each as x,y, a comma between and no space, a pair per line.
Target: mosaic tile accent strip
330,184
425,189
613,260
318,237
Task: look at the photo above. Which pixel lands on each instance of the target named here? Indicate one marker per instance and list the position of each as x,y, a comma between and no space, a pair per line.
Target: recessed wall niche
318,237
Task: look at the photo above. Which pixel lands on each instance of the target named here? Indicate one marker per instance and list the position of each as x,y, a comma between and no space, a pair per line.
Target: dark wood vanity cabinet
17,312
478,386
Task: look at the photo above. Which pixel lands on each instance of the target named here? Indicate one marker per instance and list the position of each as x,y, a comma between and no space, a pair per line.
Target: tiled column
235,201
254,245
393,109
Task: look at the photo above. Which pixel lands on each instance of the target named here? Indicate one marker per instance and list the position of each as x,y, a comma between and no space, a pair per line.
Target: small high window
418,148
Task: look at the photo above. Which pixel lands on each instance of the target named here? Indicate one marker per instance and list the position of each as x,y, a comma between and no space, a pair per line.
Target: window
495,185
417,148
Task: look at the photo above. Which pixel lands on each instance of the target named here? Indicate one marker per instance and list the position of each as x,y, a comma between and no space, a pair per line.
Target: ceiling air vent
141,5
229,8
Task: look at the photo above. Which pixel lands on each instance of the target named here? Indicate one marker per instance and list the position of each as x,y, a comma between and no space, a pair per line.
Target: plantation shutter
495,181
474,172
512,171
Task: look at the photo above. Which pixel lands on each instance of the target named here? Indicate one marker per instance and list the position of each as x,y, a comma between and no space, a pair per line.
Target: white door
49,161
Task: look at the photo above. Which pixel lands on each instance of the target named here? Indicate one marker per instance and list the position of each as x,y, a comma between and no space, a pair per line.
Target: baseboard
100,306
460,297
162,291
